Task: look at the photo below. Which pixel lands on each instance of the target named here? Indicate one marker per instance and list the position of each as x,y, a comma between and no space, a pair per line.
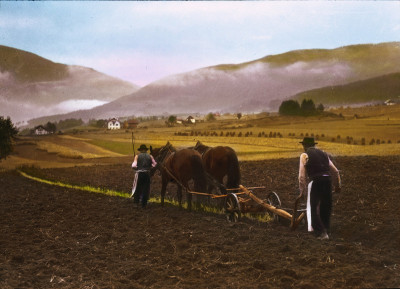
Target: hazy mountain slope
255,86
31,86
258,85
371,90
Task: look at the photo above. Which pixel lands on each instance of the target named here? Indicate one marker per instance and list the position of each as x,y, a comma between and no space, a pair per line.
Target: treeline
306,108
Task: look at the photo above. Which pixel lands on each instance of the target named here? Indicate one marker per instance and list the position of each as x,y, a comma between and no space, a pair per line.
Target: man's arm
335,176
134,164
303,174
153,161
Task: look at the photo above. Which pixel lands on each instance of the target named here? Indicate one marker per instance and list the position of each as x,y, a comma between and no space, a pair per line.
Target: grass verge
170,202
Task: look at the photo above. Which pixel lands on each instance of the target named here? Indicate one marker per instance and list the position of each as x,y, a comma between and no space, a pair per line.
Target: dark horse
219,162
180,167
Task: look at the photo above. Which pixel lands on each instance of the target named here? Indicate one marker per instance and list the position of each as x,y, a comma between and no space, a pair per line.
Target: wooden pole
269,207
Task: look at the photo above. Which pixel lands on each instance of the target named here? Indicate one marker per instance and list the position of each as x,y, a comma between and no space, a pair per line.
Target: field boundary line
112,193
76,187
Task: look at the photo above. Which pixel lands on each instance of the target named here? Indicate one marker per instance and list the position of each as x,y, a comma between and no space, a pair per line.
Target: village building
113,124
40,130
131,123
390,102
188,120
191,120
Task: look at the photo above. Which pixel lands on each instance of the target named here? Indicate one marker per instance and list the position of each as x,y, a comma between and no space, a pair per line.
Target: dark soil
52,237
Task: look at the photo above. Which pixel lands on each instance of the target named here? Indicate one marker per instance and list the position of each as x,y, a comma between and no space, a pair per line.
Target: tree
308,107
7,132
320,107
210,117
289,107
172,119
51,127
239,115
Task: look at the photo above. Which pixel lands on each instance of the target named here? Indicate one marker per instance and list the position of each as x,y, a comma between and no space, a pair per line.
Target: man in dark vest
141,186
316,166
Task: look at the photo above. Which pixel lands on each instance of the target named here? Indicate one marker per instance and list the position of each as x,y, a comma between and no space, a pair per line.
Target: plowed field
52,237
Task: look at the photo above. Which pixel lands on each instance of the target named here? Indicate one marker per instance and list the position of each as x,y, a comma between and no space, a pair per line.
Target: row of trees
306,108
7,132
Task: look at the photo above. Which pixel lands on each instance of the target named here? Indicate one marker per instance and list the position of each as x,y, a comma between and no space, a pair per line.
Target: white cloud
77,104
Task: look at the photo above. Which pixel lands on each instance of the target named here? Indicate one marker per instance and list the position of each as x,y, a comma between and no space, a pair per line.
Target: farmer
141,185
319,169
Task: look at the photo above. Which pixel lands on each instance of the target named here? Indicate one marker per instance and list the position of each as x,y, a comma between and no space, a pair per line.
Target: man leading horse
141,186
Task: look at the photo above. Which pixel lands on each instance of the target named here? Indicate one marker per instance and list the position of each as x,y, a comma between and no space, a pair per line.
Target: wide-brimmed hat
143,147
308,141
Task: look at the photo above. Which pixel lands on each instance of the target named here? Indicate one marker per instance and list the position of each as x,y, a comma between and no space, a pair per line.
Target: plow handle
295,222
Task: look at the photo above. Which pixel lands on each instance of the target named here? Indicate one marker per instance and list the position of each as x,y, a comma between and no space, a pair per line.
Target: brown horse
180,167
219,162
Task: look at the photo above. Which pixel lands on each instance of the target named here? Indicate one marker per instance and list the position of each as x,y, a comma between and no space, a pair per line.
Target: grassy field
373,130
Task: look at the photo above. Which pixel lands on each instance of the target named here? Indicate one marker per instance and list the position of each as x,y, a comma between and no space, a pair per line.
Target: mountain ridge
32,86
254,86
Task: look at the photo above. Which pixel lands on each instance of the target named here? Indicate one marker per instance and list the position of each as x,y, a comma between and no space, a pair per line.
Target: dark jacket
144,162
317,164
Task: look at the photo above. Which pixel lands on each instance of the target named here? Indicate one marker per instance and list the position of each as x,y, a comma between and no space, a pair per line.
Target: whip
133,146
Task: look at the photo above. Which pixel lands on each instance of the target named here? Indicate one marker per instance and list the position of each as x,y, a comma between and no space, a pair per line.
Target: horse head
200,147
161,153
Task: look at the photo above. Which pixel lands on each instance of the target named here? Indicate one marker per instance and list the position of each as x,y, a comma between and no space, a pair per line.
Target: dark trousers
142,188
321,204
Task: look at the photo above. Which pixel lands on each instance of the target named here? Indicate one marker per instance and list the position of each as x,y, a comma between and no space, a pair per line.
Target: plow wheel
232,208
274,200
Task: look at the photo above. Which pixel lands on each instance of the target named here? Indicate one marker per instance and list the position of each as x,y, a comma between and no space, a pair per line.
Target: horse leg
163,190
189,200
179,193
188,197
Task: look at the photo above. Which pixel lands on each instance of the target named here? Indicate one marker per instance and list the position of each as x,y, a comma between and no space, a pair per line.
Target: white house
113,124
191,120
390,102
40,130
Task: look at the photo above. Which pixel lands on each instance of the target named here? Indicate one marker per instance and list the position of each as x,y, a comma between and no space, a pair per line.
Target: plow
242,200
245,201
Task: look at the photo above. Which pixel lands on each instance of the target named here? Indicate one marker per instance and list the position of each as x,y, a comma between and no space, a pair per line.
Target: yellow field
337,136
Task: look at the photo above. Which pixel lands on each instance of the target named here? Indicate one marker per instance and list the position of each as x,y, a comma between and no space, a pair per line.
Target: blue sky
145,41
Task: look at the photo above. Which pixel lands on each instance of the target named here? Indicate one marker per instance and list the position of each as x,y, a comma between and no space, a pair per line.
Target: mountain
32,86
259,85
377,89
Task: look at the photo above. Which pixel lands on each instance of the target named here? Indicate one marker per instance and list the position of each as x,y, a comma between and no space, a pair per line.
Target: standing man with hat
319,169
141,185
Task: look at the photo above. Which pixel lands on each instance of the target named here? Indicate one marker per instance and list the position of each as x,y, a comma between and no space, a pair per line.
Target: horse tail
199,175
234,176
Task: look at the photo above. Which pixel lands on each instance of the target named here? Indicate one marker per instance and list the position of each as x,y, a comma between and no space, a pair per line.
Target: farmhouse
40,130
390,102
190,119
131,123
113,124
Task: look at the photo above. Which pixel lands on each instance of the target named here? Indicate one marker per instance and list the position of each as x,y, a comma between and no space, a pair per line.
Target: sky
142,42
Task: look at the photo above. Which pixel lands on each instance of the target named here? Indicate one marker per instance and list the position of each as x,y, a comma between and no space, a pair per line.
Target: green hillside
29,67
367,60
371,90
